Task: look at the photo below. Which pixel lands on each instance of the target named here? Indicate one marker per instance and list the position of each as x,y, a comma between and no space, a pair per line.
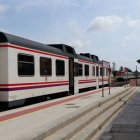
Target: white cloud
50,3
134,23
29,3
3,8
74,3
129,39
106,23
80,44
76,29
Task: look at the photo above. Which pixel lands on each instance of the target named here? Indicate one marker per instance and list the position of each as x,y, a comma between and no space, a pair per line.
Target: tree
121,68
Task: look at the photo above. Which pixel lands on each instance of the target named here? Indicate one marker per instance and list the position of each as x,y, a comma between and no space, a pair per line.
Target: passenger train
30,69
124,75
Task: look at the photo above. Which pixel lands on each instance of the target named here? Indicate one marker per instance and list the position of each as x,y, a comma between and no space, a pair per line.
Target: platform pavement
127,125
27,126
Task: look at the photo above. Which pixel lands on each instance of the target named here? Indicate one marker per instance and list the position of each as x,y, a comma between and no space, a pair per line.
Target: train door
97,76
71,76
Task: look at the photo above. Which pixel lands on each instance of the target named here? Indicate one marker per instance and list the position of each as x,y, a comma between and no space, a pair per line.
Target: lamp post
138,61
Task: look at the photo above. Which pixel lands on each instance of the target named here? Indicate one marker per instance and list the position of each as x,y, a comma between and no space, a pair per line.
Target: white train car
122,76
72,66
99,71
87,79
30,69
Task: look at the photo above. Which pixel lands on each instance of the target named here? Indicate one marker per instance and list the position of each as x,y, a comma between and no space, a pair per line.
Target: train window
45,66
25,65
76,72
97,71
106,71
93,71
60,68
101,71
80,70
86,70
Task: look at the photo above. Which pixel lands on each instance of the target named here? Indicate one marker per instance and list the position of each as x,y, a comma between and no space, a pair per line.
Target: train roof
95,58
61,49
82,57
15,40
91,56
68,50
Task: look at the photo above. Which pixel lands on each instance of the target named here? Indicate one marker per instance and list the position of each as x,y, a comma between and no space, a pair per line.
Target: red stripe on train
32,87
34,83
31,50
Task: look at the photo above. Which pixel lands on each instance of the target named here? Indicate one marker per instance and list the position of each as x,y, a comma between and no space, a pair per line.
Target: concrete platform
28,122
127,124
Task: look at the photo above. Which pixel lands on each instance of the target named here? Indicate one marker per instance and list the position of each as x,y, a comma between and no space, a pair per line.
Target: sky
107,28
